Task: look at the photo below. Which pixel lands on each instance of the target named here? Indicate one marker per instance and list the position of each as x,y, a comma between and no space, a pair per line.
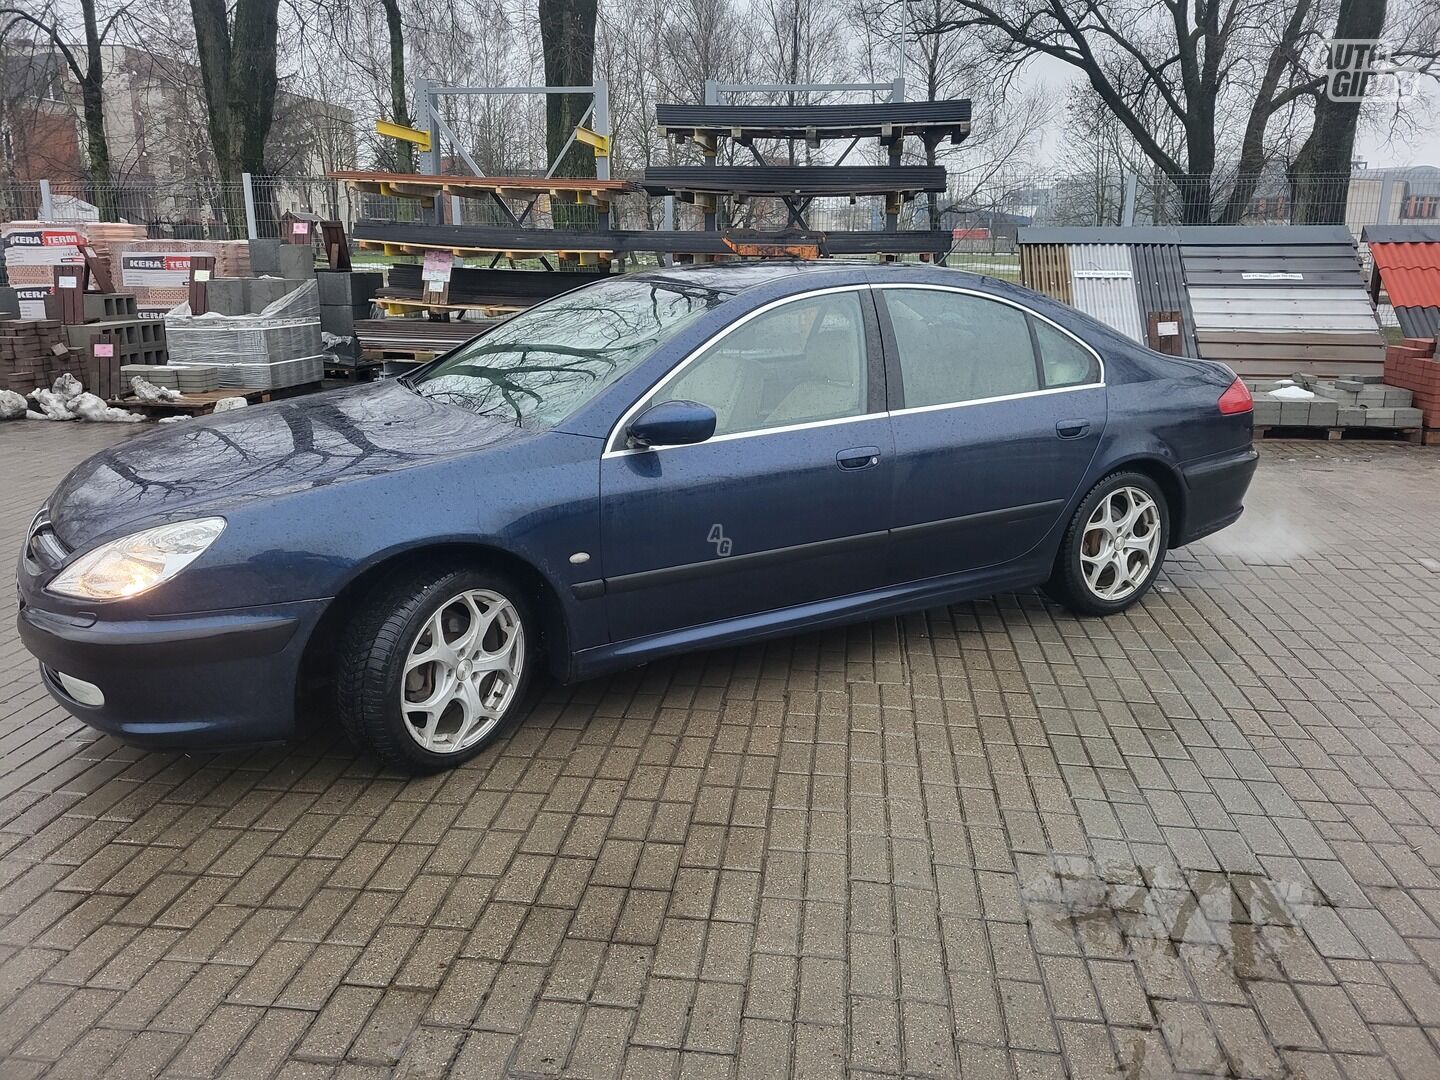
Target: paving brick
1201,837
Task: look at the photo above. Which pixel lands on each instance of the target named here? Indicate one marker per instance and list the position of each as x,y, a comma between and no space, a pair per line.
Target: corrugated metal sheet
1419,322
1046,269
1199,235
1160,286
1102,279
1401,234
1267,300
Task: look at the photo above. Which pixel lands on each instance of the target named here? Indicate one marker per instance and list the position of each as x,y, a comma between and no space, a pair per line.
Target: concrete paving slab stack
1359,401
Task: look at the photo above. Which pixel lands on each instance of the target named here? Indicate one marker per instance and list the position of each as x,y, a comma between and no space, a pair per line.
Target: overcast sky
1374,147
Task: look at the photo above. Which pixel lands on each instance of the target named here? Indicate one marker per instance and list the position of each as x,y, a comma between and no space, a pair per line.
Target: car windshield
541,365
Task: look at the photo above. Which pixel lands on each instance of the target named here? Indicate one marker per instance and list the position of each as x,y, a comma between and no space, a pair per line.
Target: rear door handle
1072,429
858,457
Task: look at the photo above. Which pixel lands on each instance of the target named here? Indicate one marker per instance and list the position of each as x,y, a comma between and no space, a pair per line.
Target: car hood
260,452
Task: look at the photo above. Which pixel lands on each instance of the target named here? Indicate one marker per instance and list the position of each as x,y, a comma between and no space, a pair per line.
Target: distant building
155,121
1404,195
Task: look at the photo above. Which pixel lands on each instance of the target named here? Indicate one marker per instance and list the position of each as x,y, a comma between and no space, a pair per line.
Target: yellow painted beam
595,139
400,131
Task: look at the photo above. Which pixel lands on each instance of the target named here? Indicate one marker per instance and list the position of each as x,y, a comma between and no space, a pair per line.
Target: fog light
86,693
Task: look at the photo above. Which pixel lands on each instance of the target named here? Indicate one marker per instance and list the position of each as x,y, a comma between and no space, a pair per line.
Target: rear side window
1064,361
958,347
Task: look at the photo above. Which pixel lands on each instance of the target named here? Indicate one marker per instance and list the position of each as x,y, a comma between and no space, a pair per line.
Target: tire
1084,579
462,699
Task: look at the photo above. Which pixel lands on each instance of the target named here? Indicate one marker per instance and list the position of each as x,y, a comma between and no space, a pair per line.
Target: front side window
538,367
958,347
798,363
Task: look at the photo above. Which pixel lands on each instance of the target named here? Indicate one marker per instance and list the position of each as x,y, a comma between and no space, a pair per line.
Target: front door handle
1072,429
858,457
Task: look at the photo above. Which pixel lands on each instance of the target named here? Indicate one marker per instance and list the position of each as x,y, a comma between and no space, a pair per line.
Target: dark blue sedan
651,464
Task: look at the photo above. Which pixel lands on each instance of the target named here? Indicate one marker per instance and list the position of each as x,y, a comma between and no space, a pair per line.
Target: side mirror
672,423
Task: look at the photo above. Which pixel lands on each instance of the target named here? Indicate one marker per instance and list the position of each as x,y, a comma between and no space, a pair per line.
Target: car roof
736,277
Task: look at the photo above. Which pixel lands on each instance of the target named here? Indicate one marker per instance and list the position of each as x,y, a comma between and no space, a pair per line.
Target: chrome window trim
644,399
614,444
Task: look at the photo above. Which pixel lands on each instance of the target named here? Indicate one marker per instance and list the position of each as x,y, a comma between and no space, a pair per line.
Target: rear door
786,504
997,413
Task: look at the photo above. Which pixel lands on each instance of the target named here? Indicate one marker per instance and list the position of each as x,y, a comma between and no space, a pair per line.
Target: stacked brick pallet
32,353
158,271
33,249
1414,364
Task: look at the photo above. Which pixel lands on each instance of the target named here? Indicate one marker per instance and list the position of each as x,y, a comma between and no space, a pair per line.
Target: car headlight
136,563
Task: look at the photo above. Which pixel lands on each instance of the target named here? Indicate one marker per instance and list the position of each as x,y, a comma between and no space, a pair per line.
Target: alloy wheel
462,671
1120,543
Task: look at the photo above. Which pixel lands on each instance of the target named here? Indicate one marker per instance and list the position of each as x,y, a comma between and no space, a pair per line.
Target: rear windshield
539,366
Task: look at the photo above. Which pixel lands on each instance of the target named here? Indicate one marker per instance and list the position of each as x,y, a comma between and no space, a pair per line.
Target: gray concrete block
1267,413
346,352
9,303
229,296
1294,413
336,319
265,291
109,306
297,261
264,257
348,288
1350,416
1323,413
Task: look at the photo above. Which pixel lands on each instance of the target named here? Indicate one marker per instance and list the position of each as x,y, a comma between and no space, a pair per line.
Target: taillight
1236,399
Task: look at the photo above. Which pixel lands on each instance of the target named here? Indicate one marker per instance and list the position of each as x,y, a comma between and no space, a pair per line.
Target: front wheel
436,666
1114,546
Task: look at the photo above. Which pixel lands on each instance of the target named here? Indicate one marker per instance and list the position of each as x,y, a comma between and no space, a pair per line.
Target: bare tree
567,33
1189,66
1319,175
237,67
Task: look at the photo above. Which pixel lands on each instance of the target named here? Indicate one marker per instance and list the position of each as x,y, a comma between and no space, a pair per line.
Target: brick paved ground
992,841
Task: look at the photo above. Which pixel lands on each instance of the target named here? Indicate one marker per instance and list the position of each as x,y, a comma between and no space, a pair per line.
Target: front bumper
1215,492
204,680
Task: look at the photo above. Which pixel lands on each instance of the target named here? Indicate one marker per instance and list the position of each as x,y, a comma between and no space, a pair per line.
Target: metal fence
996,202
983,211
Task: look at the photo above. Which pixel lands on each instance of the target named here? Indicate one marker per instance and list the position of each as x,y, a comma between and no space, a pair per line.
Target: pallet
204,403
364,371
189,404
1337,434
400,305
400,352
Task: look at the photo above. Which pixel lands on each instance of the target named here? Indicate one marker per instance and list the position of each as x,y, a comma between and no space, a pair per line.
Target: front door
999,415
786,504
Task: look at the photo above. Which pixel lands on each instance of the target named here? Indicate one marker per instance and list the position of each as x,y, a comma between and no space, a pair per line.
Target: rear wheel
437,666
1114,546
